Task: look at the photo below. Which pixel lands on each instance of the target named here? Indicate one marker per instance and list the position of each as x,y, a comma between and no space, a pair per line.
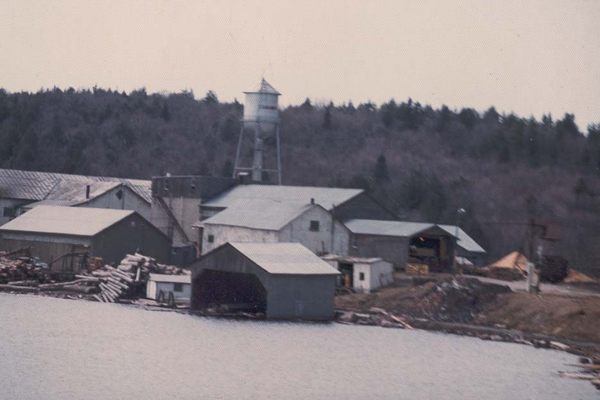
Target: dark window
178,287
9,212
314,226
211,238
361,276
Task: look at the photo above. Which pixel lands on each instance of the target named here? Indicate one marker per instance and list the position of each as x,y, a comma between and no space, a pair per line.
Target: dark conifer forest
422,163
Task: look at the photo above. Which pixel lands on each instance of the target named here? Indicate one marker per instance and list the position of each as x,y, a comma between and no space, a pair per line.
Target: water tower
261,118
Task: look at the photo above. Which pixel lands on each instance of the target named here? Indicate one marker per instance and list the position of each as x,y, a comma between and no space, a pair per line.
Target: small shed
161,287
360,273
55,234
282,280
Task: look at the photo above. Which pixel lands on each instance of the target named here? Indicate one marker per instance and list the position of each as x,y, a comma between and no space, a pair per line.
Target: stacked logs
133,271
114,283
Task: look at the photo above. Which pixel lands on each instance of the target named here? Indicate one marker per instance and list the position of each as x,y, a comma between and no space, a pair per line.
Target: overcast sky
530,57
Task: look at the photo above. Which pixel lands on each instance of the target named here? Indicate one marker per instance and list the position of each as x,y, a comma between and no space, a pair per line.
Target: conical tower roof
265,87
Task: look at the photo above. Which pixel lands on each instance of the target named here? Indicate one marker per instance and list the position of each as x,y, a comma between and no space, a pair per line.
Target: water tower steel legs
236,166
257,162
257,167
278,155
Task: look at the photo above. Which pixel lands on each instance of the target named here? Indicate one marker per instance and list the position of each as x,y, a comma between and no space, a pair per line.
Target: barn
282,280
57,234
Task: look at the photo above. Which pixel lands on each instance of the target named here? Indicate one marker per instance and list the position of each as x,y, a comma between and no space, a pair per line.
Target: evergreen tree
381,173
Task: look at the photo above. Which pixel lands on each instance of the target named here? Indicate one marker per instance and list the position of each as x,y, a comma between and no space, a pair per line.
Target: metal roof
285,258
35,186
72,221
351,259
386,228
408,229
185,278
464,241
324,196
265,87
260,214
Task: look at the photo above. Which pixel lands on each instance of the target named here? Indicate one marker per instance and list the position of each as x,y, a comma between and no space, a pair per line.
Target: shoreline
483,332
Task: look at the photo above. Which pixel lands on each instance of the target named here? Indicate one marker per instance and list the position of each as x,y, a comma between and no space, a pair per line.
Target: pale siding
186,211
224,233
332,236
153,289
128,201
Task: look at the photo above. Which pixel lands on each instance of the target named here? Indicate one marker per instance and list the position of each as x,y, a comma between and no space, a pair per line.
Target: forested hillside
423,163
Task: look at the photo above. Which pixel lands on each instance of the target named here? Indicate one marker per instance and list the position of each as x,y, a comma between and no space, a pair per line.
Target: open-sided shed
283,280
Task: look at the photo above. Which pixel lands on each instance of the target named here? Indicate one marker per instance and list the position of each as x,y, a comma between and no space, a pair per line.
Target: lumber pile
18,269
130,275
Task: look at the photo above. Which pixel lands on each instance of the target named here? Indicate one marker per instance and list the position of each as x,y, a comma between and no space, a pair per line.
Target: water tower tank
260,108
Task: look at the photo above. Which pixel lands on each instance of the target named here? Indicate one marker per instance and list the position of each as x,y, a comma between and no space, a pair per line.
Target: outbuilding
282,280
362,274
57,235
162,287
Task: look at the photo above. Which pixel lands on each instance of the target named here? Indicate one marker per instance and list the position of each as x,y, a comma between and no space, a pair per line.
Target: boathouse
281,280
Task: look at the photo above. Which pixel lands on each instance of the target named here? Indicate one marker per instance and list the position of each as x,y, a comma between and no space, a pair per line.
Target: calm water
62,349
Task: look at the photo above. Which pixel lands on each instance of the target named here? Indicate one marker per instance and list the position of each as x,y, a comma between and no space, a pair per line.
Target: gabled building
23,190
281,280
401,242
57,235
269,221
343,203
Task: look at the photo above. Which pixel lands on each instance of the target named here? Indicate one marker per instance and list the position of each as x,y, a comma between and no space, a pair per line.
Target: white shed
159,287
360,273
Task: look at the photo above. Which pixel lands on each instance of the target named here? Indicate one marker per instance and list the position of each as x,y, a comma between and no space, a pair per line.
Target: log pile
104,283
19,269
132,273
589,370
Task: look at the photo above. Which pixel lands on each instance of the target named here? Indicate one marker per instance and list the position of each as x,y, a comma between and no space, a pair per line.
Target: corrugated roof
386,228
186,278
464,241
325,197
35,186
408,229
260,214
285,258
72,221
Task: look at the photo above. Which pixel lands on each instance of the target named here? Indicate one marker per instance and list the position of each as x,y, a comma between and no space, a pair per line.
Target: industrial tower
261,117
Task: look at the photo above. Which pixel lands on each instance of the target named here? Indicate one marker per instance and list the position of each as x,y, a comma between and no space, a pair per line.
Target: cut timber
20,288
118,283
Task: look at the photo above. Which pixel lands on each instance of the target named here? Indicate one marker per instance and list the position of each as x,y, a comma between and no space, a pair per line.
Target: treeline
422,163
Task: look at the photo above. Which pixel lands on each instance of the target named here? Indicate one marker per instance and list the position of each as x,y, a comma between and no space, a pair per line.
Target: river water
63,349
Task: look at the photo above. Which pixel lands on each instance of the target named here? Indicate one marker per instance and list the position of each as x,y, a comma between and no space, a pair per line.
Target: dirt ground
468,300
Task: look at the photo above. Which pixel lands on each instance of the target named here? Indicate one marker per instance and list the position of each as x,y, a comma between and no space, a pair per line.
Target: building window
211,238
361,276
314,226
178,287
9,212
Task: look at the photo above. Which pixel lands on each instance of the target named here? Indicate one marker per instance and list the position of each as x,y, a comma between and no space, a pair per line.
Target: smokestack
312,200
87,192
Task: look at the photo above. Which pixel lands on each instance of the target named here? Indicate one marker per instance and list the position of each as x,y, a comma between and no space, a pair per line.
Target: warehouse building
267,221
401,242
60,235
342,203
282,280
23,190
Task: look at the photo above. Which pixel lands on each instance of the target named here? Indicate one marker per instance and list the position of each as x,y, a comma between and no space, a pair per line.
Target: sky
527,57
